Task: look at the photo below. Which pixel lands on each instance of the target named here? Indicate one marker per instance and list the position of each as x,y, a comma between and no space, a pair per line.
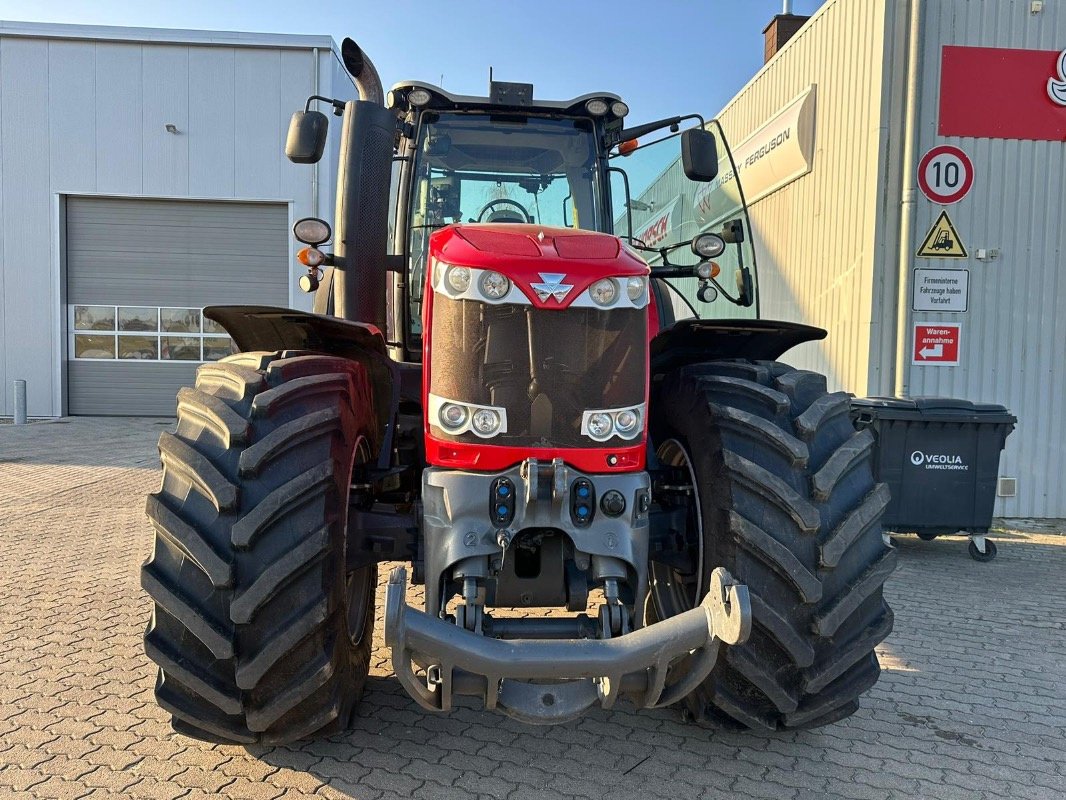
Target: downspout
314,167
908,195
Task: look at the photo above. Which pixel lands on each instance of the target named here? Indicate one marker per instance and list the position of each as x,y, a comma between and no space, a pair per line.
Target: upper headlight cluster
467,283
631,292
455,417
601,425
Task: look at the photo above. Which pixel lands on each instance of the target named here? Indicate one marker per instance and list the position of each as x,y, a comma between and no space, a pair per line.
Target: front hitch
550,681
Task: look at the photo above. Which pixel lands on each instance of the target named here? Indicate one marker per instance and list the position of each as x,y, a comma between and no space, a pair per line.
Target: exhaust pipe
363,72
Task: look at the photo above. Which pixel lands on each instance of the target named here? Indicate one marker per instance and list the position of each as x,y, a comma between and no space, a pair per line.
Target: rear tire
785,499
259,634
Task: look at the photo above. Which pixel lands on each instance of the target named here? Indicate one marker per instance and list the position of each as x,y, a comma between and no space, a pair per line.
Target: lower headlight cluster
601,425
455,417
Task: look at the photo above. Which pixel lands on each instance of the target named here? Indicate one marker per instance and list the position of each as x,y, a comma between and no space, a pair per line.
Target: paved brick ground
972,703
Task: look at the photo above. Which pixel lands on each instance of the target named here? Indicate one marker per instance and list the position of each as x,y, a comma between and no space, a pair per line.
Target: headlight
619,109
456,417
493,285
626,421
604,292
635,288
311,230
418,97
452,416
708,245
597,107
458,279
485,421
599,425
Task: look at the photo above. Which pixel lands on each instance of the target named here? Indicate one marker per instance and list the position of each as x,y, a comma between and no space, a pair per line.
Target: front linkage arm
544,681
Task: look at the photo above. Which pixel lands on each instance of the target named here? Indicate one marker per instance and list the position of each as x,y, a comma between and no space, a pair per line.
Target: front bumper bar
549,681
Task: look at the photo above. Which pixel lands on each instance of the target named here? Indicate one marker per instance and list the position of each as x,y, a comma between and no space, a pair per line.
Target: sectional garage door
139,273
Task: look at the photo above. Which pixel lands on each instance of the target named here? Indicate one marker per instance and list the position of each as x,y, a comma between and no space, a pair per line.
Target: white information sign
941,289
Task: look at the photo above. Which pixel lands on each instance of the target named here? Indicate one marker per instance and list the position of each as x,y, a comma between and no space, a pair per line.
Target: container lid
943,409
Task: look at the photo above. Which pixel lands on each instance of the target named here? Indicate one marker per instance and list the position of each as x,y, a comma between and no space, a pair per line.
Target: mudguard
694,340
271,328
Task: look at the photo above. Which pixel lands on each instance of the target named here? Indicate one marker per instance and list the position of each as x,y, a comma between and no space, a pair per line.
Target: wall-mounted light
171,127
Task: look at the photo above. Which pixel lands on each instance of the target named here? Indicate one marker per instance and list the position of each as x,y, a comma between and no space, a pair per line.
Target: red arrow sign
937,345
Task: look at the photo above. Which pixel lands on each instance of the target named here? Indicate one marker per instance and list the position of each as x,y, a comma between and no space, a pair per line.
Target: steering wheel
505,202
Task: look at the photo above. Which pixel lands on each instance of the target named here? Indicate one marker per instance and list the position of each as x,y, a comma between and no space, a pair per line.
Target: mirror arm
650,127
338,105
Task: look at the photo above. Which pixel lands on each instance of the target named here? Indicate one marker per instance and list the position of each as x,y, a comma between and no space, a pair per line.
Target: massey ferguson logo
1056,89
553,286
937,461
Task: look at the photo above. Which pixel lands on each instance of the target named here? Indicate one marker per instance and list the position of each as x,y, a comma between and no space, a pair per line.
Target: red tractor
516,379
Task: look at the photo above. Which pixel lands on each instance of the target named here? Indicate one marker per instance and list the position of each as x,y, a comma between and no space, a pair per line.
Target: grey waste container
940,459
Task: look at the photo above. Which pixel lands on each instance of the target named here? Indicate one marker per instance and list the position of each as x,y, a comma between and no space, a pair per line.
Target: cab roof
503,96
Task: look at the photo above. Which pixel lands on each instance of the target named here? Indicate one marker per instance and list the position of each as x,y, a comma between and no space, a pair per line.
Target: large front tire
780,492
259,633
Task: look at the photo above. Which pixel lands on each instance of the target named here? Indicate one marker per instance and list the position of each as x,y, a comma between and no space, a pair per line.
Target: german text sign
937,345
941,289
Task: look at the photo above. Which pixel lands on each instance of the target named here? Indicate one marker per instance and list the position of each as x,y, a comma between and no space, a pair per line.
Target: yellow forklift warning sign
942,241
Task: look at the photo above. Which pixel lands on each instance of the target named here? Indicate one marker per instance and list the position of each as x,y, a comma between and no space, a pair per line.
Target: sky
663,57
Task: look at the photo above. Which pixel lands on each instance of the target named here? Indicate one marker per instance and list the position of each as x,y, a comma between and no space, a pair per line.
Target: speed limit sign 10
945,174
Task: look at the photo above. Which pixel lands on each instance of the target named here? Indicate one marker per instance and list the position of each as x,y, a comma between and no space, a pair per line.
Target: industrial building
905,166
142,177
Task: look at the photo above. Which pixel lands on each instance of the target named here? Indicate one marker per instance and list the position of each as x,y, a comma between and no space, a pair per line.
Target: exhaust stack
363,72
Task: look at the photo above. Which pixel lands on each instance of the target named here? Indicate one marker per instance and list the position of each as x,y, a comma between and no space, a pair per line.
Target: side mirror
307,137
699,155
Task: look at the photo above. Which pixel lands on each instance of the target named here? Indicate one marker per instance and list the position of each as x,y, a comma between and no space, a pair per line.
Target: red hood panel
526,253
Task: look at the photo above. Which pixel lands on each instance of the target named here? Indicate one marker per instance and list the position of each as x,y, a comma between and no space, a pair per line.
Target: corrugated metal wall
818,238
82,116
1014,333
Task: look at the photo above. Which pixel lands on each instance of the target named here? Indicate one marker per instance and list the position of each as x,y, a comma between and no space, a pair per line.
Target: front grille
544,366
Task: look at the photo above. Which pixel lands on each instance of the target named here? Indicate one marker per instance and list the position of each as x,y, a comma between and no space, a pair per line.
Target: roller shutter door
138,274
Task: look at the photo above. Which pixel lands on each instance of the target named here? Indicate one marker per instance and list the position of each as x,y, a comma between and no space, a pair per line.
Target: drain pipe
314,167
908,196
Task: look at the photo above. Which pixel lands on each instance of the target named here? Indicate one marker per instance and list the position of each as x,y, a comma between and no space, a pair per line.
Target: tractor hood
528,253
535,346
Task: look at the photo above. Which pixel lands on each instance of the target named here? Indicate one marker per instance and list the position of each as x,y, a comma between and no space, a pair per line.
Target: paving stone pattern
972,703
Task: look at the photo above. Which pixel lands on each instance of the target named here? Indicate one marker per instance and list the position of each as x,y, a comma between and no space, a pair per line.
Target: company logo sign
1056,89
1002,93
941,461
552,286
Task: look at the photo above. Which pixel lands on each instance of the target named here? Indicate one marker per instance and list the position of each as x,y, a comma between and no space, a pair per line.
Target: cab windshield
499,168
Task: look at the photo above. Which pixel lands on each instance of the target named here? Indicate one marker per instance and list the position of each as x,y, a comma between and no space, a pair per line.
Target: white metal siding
1014,334
816,238
83,116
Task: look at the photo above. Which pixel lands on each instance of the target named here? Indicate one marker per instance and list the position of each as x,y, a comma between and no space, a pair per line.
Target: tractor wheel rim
673,453
357,586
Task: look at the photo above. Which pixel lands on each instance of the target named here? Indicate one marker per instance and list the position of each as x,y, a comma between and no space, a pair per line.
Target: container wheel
925,536
987,555
259,633
780,491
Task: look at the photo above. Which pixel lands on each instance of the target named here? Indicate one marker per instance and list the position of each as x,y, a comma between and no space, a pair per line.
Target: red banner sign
1000,93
